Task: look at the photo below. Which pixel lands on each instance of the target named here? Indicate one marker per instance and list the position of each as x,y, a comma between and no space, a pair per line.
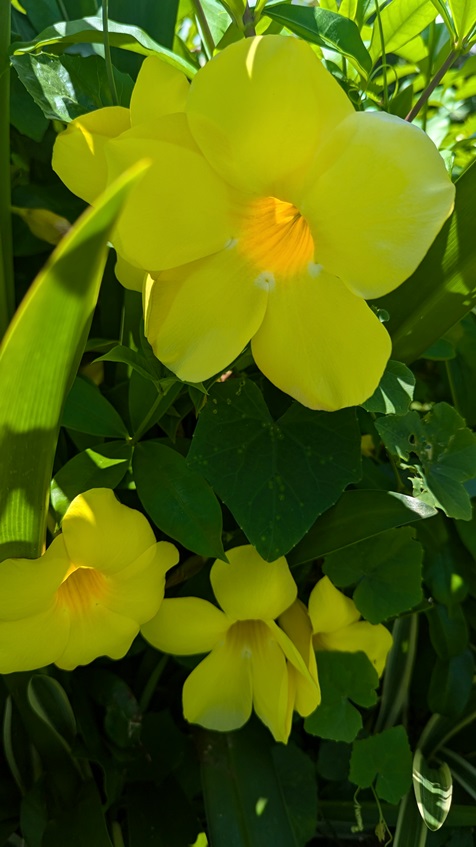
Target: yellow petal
78,154
185,626
160,90
100,532
129,276
217,694
28,586
199,317
329,609
161,227
137,591
381,197
296,623
269,680
94,632
248,588
32,642
320,343
260,108
373,640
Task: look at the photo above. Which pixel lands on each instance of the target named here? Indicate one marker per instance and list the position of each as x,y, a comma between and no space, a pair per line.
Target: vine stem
107,52
7,290
426,94
207,36
249,21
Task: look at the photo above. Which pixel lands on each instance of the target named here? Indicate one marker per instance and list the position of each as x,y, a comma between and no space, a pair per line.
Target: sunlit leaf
433,791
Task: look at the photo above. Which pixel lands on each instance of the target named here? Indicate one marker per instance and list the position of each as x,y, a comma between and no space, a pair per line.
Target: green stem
7,289
144,425
207,37
431,55
151,684
107,53
426,94
384,58
63,11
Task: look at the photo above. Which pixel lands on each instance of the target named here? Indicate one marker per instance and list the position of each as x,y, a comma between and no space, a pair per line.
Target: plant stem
7,290
249,21
426,94
207,37
107,53
384,57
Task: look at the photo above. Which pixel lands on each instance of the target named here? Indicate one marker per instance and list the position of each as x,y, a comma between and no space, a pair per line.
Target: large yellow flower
271,212
252,663
336,625
87,595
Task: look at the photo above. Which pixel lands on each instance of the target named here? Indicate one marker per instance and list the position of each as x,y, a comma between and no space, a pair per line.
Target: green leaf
49,701
450,685
81,824
401,21
41,352
386,569
86,410
125,356
448,630
244,798
296,774
395,391
89,31
102,466
461,368
443,288
177,498
326,28
160,817
446,450
433,791
275,477
386,760
67,87
356,516
343,677
463,13
410,830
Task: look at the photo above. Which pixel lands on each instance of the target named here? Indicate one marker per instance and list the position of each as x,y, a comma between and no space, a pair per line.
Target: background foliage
378,497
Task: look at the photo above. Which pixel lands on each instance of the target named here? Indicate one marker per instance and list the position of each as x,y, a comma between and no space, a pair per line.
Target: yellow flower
271,212
87,595
251,657
336,625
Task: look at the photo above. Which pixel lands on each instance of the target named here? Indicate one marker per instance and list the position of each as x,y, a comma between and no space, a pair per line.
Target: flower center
276,238
247,635
81,589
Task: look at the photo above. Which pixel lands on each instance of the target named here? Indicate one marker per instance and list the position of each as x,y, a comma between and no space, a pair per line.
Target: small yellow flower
101,578
271,212
336,625
252,663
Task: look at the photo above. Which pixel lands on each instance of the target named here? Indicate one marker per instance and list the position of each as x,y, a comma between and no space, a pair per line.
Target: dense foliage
375,498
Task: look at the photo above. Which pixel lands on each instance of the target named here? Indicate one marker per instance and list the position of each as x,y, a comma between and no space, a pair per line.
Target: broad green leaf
132,358
274,476
410,830
86,410
89,31
463,13
245,803
384,760
446,452
386,570
80,824
41,352
401,21
68,86
326,28
461,368
345,679
356,516
433,791
101,466
123,718
25,115
443,288
160,817
177,498
395,391
49,701
448,630
296,774
450,685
